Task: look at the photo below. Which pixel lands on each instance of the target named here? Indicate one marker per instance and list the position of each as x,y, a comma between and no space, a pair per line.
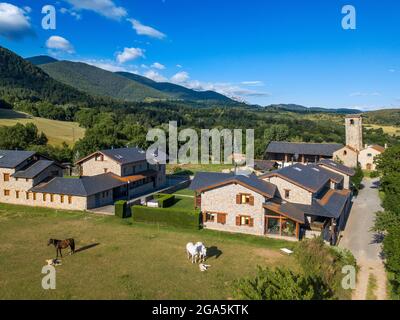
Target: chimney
366,146
386,145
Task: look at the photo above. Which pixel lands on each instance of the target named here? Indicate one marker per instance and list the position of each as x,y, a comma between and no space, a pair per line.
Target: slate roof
310,177
33,170
264,165
338,167
122,155
208,180
11,159
82,187
315,149
330,206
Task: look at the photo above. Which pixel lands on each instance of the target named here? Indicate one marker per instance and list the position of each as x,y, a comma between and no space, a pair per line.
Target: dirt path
365,244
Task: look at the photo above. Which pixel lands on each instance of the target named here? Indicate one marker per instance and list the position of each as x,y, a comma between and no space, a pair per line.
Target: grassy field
56,131
120,260
391,130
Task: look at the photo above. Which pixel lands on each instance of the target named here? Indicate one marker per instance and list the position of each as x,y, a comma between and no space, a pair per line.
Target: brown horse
62,244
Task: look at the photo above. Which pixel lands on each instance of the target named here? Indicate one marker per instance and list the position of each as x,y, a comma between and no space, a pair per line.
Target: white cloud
14,22
143,30
60,44
130,54
365,94
109,65
392,70
72,13
180,77
253,83
179,66
154,75
106,8
158,66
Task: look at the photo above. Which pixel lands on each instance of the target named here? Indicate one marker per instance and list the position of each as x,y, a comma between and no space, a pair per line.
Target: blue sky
261,51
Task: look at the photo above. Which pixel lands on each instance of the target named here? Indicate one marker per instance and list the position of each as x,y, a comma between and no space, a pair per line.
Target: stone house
28,178
291,203
368,155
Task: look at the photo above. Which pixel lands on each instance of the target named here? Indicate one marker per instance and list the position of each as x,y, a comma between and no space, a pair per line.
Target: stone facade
99,164
223,200
296,194
367,157
348,156
354,134
346,178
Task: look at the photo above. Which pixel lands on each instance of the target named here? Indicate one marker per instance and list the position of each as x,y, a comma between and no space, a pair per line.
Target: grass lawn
123,260
56,131
198,167
185,192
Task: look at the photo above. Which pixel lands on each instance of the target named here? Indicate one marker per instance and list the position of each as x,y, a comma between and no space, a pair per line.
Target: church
354,152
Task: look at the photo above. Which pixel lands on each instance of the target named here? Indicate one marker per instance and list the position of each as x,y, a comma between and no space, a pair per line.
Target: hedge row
171,217
165,200
121,209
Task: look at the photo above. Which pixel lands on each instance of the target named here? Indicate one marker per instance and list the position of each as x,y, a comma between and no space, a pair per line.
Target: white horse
192,252
202,250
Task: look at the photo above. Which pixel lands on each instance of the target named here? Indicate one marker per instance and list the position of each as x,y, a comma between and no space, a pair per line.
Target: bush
121,209
165,200
374,174
170,217
281,284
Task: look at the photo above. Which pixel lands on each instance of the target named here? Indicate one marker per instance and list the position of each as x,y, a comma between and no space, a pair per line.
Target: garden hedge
170,217
121,209
165,200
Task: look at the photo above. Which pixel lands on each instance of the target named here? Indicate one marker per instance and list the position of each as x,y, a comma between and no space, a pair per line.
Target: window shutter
223,219
238,199
251,222
238,220
251,202
204,217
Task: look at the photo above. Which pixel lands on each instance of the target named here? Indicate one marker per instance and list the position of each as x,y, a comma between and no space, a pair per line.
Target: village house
351,154
28,178
291,203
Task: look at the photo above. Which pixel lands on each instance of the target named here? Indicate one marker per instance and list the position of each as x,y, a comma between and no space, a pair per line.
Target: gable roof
265,165
316,149
82,187
310,177
34,170
204,181
121,155
337,167
378,148
11,159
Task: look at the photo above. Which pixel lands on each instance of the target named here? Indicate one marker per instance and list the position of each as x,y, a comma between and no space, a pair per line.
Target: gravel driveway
363,243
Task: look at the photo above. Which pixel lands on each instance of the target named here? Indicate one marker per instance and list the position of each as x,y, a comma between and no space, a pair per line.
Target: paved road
363,243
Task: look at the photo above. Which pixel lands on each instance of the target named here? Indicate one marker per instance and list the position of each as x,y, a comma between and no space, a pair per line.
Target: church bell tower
354,132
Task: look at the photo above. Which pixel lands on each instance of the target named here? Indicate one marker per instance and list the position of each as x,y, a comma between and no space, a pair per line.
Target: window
52,198
244,221
6,177
352,122
345,152
105,170
245,199
69,200
369,155
99,157
27,195
6,193
17,194
210,217
44,197
287,194
34,196
215,217
61,198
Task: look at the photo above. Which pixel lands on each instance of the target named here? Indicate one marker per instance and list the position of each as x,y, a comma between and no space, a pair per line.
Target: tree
357,179
276,132
281,284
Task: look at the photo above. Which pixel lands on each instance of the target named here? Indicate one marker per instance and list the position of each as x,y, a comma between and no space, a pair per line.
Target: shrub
121,209
326,263
374,174
165,200
281,284
171,217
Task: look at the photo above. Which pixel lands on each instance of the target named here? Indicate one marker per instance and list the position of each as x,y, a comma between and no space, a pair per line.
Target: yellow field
56,131
387,129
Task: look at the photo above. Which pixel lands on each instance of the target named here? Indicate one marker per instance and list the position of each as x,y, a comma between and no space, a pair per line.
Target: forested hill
177,91
21,80
99,82
38,60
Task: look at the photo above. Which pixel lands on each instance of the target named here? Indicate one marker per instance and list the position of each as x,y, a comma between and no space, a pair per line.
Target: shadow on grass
88,247
213,252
